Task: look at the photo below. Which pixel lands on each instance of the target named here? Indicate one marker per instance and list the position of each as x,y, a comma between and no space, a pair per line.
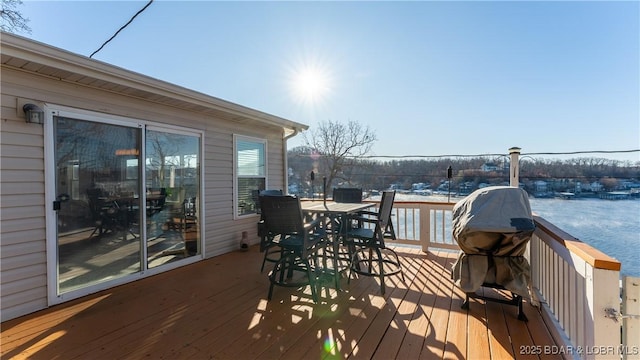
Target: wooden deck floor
217,309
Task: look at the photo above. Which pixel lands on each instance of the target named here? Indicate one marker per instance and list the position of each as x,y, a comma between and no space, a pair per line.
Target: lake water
611,226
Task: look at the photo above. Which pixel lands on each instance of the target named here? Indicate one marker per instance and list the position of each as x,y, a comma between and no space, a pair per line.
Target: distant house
489,167
540,186
109,176
445,186
628,185
465,188
420,186
596,187
541,189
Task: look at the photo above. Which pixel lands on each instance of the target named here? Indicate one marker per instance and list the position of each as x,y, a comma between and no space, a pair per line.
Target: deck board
217,309
437,297
499,340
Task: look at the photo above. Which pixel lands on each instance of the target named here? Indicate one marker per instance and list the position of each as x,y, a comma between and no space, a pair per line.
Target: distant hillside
471,172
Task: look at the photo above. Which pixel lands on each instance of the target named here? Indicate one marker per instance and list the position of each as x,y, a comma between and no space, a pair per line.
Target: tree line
337,154
377,175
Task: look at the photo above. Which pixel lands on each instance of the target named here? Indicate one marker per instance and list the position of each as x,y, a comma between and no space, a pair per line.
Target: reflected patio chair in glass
156,216
370,256
300,243
190,226
187,226
107,214
156,200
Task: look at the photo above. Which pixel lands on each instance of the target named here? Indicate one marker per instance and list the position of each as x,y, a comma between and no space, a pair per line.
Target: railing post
514,167
603,292
631,318
425,227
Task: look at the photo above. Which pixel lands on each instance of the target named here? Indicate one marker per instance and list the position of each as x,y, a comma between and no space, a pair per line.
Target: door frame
50,170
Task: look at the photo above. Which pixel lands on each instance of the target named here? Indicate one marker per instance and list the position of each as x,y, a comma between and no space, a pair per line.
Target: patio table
334,211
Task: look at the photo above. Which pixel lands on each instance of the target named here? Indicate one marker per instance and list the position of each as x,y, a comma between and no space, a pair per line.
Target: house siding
23,258
23,276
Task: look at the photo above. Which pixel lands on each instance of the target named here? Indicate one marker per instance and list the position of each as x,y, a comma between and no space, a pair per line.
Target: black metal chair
347,195
300,243
255,195
370,256
268,242
354,195
344,195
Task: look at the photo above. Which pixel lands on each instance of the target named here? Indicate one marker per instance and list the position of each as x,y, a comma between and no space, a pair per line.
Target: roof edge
30,50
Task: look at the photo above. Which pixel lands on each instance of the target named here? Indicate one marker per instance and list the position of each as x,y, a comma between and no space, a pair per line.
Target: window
250,173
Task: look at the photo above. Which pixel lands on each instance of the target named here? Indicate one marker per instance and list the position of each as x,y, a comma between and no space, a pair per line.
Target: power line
122,28
424,156
483,155
584,152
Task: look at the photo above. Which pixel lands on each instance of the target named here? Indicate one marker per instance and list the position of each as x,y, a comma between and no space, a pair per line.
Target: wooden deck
217,309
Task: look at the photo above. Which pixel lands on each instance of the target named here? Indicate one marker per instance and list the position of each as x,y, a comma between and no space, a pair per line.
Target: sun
311,84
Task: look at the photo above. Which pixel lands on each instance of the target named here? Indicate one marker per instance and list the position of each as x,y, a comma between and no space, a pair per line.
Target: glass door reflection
172,172
97,187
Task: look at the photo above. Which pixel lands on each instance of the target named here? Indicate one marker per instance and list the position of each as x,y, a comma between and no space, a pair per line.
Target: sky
429,78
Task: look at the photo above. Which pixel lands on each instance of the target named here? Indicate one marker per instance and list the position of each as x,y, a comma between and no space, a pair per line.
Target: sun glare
310,84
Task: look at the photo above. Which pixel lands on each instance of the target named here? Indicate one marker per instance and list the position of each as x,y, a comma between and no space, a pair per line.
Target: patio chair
347,195
299,242
344,195
354,195
370,255
268,241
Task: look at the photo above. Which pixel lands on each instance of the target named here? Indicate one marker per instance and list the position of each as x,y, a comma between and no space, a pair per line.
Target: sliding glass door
127,200
172,173
97,190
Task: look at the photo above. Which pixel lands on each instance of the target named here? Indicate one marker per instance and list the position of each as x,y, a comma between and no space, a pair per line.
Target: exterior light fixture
34,113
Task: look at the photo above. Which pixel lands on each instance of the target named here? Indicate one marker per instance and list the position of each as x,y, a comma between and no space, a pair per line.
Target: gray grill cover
492,227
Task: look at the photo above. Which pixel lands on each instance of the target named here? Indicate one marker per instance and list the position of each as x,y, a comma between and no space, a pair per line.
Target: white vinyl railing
409,219
630,316
577,285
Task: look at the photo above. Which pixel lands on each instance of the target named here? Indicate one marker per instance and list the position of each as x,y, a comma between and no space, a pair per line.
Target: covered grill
492,227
